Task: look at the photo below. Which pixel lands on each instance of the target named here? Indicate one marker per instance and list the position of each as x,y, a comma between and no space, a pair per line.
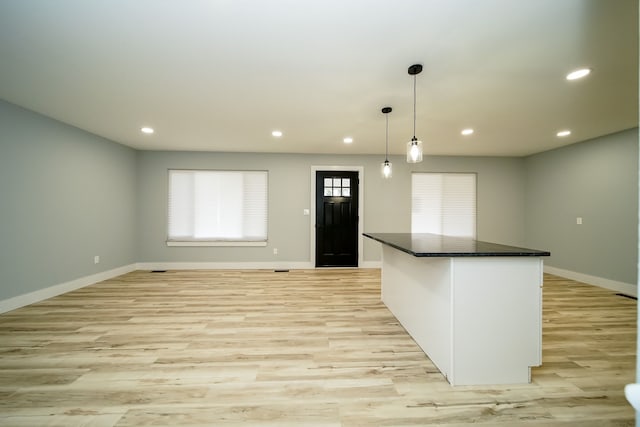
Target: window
217,208
337,187
443,203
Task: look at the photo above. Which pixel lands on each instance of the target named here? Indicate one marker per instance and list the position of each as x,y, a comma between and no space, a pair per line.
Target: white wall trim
61,288
214,243
371,264
622,287
270,265
55,290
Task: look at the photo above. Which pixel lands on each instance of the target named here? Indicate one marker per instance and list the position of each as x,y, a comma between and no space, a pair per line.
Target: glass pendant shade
387,171
414,151
386,165
414,147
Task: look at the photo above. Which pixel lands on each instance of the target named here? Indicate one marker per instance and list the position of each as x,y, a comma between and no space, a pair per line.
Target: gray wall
387,204
66,195
598,181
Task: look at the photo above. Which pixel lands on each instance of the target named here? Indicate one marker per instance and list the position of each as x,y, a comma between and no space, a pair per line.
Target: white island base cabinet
479,319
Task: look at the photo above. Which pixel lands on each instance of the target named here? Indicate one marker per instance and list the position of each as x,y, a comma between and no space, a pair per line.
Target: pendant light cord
414,106
386,145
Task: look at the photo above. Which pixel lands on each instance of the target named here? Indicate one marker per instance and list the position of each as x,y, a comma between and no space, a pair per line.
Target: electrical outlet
96,259
579,220
275,251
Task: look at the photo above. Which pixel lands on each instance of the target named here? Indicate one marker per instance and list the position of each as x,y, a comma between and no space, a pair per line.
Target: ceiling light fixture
414,147
146,130
386,165
563,133
276,133
347,140
468,131
578,74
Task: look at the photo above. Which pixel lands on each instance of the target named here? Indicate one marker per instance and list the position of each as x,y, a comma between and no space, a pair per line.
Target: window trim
475,195
216,243
219,242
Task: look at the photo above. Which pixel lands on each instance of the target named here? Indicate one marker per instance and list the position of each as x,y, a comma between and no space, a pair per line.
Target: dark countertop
436,245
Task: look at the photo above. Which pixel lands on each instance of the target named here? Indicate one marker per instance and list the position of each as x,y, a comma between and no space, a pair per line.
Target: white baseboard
52,291
622,287
238,265
223,265
371,264
55,290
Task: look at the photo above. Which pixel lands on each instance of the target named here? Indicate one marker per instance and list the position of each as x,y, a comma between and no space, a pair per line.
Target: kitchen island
475,308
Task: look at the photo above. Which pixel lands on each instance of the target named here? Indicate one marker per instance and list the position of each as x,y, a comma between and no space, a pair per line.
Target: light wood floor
305,348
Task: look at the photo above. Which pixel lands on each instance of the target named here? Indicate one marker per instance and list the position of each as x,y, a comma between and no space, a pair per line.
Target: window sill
214,243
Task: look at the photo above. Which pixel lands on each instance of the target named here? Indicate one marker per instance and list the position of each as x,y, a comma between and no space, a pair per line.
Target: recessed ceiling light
146,130
564,133
468,131
276,133
578,74
348,140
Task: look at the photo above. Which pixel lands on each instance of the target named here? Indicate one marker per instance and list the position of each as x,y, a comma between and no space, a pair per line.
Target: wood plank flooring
304,348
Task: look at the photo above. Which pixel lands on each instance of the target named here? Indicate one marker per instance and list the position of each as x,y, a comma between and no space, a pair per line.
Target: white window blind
217,206
443,203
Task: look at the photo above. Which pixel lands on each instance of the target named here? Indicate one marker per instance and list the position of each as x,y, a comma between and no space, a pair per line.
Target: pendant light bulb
387,170
414,147
414,151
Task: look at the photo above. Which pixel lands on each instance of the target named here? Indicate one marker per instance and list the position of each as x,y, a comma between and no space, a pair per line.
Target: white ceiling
220,75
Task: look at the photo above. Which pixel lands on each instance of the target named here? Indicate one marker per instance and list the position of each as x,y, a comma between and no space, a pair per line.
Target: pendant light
414,147
386,165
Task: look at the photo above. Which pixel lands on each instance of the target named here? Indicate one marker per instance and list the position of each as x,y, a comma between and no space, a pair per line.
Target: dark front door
336,219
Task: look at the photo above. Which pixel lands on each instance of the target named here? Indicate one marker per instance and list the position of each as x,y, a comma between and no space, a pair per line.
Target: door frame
312,220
